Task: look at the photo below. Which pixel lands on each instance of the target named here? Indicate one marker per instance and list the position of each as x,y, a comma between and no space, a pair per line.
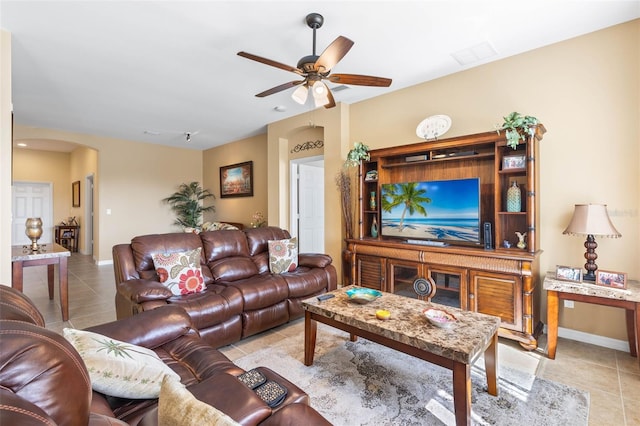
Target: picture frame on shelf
371,176
236,180
611,279
75,194
569,273
510,162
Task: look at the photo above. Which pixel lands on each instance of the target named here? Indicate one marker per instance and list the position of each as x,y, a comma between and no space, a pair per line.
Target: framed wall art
236,180
75,194
611,279
569,273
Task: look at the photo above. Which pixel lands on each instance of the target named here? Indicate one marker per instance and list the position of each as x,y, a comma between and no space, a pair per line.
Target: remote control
325,297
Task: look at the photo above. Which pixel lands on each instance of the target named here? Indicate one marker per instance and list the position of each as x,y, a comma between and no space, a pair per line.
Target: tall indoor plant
188,204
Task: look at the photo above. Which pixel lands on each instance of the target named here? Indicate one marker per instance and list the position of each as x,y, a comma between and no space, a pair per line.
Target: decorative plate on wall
434,126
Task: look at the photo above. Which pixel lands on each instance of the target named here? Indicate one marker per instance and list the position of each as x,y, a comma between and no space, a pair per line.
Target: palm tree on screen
406,194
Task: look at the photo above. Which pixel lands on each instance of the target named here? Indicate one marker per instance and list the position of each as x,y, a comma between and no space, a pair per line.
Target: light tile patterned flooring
611,377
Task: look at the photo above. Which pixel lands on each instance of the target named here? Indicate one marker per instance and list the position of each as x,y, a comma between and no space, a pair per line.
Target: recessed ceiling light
280,108
151,132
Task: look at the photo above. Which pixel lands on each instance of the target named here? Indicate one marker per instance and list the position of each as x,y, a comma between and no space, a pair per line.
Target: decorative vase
374,228
33,230
372,200
521,237
513,198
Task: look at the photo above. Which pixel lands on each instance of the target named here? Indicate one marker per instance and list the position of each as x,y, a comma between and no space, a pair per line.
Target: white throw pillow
283,255
178,407
118,368
180,271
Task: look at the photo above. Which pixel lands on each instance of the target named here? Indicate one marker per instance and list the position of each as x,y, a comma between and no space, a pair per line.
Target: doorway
307,203
31,199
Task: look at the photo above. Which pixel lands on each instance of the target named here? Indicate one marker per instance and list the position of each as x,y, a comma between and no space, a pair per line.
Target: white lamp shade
591,219
320,93
300,94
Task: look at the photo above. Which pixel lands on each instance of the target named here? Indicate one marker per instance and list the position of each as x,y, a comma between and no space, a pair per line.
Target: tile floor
611,377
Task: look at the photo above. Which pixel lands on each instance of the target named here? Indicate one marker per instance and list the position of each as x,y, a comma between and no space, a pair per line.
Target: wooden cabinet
67,236
501,279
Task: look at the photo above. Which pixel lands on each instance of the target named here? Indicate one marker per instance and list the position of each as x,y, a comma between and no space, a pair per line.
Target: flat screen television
439,210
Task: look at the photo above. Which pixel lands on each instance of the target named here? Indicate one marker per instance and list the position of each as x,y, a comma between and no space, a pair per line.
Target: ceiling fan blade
359,80
333,54
332,101
270,62
280,88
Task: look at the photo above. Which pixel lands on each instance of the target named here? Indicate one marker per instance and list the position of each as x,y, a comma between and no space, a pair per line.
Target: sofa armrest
149,329
314,260
140,290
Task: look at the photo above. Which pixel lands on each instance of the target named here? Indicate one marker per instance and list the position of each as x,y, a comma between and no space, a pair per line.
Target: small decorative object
33,230
383,314
359,152
611,279
425,288
521,240
372,175
591,220
514,203
518,127
374,228
258,220
513,162
439,317
568,273
372,200
506,244
363,295
236,180
434,126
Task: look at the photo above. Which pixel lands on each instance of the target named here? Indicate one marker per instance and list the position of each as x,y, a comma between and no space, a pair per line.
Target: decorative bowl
363,295
439,317
383,314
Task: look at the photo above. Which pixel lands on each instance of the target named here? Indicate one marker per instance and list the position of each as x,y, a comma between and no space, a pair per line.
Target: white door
31,199
311,207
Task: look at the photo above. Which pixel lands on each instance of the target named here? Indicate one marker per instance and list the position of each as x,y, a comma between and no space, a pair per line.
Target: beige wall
84,163
5,157
132,178
237,209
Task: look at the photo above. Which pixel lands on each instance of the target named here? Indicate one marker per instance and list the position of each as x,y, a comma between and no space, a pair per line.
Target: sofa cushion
180,271
283,255
118,368
178,407
258,238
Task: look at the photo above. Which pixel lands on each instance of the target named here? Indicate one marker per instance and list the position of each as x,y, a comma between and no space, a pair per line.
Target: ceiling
151,71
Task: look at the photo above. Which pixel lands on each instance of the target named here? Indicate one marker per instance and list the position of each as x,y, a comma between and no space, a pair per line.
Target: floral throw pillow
118,368
283,255
180,272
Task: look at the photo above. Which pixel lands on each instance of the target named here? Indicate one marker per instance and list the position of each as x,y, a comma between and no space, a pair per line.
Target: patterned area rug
363,383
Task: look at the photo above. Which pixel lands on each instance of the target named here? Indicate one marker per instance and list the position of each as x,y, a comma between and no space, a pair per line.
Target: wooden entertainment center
501,279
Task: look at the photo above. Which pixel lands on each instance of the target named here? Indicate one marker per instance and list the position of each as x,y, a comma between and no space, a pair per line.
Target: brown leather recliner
43,380
242,297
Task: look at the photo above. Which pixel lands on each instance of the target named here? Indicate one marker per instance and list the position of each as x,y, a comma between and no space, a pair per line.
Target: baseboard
104,262
593,339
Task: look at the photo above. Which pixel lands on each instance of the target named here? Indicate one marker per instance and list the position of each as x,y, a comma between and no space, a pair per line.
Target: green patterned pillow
283,255
180,272
118,368
178,407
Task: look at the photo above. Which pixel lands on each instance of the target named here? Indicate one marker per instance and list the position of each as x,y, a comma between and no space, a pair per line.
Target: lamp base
591,256
589,276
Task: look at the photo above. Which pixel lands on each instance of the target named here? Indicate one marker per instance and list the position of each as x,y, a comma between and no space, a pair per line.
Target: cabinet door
402,275
370,272
499,295
451,284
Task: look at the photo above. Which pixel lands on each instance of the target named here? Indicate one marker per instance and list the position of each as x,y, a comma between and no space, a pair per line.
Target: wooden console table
51,255
628,299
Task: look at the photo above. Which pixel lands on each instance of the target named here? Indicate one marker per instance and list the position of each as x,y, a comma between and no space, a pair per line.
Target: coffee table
408,331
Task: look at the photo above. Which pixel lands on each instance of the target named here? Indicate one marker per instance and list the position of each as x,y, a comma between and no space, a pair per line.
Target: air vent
339,88
475,53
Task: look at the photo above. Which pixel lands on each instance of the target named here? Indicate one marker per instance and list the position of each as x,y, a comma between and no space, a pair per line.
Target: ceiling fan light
300,95
319,89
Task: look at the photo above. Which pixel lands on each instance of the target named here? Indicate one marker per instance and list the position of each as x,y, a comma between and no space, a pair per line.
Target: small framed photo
513,162
236,180
568,273
611,279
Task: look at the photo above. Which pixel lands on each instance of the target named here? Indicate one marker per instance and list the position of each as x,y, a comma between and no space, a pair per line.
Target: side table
52,254
628,299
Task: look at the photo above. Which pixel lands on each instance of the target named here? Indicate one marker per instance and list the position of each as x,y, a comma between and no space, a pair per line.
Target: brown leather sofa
242,297
44,381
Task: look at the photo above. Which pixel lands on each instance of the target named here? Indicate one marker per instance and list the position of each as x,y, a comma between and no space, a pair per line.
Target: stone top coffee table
408,331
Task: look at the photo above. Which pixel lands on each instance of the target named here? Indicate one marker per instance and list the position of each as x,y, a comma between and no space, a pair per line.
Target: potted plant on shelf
359,152
188,205
517,127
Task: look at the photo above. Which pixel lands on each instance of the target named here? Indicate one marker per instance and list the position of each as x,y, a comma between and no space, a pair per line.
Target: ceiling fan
316,68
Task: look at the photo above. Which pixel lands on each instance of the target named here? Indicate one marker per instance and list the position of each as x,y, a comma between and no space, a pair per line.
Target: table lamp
591,220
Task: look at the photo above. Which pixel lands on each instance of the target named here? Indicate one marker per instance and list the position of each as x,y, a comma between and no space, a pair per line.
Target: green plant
187,203
359,152
517,127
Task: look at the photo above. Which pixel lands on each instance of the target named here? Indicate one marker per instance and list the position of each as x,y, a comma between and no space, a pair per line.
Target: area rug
363,383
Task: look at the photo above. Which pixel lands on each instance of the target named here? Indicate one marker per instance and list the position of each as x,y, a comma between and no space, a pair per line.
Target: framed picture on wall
75,194
236,180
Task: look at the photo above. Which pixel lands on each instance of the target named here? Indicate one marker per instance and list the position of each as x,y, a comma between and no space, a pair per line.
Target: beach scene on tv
446,210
